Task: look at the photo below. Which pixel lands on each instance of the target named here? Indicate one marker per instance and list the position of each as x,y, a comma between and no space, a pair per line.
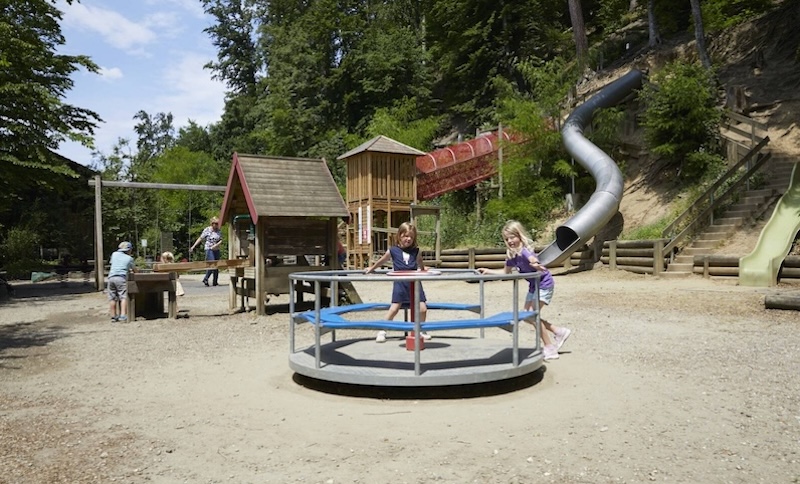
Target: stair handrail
670,246
670,229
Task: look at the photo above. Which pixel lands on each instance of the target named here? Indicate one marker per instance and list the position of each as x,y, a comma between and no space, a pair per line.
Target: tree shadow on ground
25,335
49,289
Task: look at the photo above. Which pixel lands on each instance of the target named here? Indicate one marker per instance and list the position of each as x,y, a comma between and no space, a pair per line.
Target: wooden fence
629,255
494,258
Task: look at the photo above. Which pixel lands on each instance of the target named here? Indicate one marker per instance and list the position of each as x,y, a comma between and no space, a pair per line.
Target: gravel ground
665,380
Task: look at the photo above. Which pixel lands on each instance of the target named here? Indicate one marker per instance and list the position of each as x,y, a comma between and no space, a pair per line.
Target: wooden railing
702,210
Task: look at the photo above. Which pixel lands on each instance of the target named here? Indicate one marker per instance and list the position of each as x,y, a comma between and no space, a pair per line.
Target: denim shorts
545,295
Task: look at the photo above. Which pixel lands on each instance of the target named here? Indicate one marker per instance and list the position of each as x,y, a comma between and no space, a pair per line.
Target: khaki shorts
117,288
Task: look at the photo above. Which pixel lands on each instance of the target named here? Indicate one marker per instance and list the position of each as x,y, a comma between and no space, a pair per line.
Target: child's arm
420,262
534,261
484,270
378,262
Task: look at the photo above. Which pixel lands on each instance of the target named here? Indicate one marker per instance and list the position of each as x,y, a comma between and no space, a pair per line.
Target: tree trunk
633,5
578,29
652,25
699,34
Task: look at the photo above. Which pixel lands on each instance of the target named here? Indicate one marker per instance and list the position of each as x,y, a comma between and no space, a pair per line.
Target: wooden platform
446,360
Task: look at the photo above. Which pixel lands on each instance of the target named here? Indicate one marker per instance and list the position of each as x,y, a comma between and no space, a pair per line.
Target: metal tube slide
604,202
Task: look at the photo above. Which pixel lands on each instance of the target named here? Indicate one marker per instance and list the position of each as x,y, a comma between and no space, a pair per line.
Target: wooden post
658,257
706,271
99,260
472,258
261,310
612,255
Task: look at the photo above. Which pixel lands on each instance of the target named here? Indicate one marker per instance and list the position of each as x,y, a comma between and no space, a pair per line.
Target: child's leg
112,308
545,335
393,309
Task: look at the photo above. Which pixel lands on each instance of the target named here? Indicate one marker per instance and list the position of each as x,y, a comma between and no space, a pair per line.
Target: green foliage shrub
681,120
20,252
647,232
722,14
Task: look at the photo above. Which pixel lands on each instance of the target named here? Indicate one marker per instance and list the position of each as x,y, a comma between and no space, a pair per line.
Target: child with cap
121,262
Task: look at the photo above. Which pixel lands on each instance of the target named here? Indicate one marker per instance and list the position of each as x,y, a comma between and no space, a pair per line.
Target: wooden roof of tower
276,186
382,144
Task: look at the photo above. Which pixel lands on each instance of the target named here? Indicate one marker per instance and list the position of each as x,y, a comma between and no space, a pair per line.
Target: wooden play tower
381,189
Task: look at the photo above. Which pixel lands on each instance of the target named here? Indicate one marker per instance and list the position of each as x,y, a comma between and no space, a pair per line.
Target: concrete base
446,360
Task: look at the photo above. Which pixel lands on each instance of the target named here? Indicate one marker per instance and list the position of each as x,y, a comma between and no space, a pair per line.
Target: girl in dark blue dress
405,256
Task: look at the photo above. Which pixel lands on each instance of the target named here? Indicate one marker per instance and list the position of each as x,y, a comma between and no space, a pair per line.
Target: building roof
284,187
382,144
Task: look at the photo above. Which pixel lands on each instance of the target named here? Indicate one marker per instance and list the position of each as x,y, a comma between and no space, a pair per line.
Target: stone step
763,193
743,214
683,259
744,207
728,220
676,275
720,228
752,200
680,267
710,236
706,244
694,251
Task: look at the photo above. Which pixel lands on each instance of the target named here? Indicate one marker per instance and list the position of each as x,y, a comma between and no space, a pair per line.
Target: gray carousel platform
470,356
446,360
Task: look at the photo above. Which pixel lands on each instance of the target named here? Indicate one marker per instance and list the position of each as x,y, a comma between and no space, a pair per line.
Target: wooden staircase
753,205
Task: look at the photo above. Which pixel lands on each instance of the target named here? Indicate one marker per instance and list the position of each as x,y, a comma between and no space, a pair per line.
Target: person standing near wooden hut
213,237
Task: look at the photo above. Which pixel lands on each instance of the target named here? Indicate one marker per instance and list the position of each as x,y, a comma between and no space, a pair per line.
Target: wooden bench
146,294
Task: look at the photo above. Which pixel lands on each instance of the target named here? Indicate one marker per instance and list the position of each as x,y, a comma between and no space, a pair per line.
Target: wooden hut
381,188
282,214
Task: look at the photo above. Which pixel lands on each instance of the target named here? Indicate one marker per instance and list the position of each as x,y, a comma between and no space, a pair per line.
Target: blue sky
151,55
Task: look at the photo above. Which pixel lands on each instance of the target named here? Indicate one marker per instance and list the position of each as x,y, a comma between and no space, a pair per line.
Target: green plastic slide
760,267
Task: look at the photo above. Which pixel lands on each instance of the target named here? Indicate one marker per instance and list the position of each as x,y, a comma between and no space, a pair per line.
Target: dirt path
663,381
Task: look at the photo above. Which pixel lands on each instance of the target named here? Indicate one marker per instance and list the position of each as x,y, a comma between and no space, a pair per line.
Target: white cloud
190,91
192,6
116,29
110,73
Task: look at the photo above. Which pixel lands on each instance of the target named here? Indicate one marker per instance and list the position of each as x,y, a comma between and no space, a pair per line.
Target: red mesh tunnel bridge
458,166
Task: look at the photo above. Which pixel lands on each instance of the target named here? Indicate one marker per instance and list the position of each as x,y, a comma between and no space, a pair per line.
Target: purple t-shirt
522,262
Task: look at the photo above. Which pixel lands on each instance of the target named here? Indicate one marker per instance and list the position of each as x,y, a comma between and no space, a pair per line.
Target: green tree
233,35
34,79
681,118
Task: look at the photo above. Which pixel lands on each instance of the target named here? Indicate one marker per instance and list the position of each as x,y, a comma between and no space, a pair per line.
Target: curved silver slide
604,202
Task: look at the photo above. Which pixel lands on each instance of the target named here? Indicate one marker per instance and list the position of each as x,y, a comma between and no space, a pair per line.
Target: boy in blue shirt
121,263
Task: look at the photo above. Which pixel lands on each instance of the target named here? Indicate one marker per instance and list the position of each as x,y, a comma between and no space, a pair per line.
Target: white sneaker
561,337
550,352
381,337
424,335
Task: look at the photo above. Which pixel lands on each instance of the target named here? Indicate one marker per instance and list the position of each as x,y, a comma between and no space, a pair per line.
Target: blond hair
214,220
168,257
512,227
407,228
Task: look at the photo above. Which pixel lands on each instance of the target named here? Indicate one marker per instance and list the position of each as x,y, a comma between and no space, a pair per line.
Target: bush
681,120
20,251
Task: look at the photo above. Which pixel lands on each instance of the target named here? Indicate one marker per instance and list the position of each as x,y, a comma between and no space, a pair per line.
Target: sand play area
664,380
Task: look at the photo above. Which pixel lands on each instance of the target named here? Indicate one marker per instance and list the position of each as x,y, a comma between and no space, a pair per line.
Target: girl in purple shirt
520,255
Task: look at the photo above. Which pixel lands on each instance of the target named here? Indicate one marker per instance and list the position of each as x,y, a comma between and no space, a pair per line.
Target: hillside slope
758,58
